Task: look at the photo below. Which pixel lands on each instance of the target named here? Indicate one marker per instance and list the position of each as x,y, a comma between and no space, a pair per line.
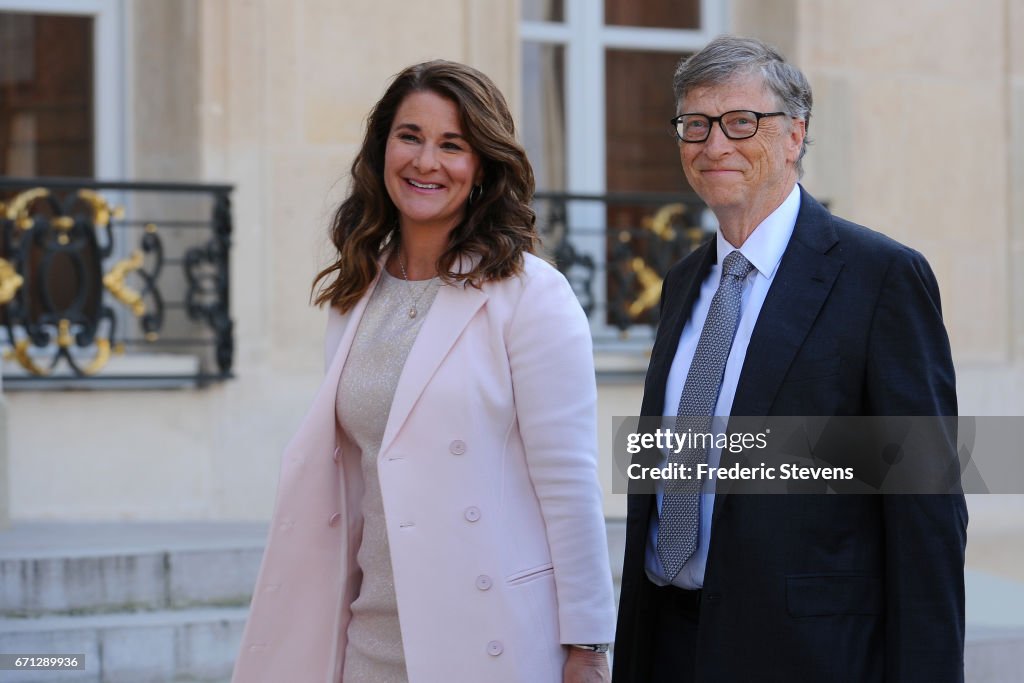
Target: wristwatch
601,647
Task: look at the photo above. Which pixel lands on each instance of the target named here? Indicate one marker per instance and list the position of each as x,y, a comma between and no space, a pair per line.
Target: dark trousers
674,647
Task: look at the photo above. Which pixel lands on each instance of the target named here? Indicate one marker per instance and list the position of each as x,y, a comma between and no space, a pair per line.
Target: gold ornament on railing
21,355
650,281
17,210
114,282
10,282
101,211
660,224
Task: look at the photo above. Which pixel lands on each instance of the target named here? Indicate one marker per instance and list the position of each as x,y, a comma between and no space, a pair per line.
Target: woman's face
429,167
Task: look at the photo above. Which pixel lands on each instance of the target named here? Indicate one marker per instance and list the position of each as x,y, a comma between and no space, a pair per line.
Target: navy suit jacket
820,587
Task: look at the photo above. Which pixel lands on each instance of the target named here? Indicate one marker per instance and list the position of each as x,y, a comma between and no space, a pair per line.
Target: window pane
653,13
642,156
543,10
46,95
543,123
641,152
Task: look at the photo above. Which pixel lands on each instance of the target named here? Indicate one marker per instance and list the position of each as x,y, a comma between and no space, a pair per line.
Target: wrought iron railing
114,283
615,249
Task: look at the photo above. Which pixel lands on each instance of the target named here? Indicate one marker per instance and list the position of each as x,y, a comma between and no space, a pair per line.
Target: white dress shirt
764,249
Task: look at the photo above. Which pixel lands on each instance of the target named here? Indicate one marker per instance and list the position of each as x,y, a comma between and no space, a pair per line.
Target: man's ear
797,133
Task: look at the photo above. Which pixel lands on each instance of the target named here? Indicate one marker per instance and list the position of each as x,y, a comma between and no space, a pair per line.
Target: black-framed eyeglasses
737,125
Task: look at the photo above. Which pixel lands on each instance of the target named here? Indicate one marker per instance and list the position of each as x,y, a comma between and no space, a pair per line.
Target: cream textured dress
365,393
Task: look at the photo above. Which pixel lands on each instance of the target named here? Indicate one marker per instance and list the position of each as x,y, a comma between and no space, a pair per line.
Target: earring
476,193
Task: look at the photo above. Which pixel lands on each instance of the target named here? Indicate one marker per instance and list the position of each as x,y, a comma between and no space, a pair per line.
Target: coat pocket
528,575
833,594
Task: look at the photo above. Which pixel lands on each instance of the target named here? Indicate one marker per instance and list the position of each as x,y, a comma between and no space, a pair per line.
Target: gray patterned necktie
679,522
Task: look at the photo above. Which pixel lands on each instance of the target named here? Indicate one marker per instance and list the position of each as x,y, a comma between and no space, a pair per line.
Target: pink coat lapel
326,397
451,311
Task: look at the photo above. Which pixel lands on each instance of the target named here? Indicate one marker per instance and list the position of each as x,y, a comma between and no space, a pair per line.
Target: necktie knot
736,265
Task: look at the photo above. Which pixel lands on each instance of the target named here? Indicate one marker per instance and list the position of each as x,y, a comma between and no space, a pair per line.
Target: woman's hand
584,666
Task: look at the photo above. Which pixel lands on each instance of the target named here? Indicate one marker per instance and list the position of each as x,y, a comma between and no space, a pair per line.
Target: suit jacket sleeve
551,361
911,373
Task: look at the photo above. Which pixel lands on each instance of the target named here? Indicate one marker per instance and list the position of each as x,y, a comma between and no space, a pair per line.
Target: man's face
745,174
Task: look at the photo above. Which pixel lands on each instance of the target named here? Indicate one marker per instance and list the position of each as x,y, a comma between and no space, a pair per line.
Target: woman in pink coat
438,516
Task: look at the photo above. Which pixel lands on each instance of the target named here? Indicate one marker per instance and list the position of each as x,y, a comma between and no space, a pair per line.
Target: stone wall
918,133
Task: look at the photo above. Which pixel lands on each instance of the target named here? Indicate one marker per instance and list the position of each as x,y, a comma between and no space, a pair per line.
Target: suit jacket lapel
453,308
803,282
801,286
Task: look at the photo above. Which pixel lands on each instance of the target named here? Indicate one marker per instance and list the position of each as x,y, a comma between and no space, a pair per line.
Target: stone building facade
918,129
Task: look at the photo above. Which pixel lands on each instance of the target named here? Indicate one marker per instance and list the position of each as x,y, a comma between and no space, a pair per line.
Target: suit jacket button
337,452
472,513
495,648
483,582
457,447
335,518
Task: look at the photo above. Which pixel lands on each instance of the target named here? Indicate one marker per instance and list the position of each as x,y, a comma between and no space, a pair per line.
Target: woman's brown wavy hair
498,225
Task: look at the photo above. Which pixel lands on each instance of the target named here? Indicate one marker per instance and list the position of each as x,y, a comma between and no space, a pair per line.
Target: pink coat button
483,582
495,648
337,453
457,447
472,513
335,518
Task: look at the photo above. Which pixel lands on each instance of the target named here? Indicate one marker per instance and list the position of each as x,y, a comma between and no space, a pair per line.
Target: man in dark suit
788,311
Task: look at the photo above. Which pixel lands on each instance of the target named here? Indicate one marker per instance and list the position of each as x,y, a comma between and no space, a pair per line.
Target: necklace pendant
412,311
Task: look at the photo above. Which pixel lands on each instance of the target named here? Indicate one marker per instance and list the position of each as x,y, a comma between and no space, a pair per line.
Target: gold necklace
413,311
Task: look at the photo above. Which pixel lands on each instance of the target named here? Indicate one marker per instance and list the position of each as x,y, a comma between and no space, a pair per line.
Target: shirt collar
765,246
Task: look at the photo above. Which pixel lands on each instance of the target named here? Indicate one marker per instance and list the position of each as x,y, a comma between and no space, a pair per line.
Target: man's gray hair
729,57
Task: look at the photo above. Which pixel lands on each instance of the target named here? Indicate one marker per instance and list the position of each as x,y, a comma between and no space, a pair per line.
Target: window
62,104
90,265
596,99
46,93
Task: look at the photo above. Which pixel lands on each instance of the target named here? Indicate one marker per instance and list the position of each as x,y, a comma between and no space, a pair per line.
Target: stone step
196,645
167,601
68,569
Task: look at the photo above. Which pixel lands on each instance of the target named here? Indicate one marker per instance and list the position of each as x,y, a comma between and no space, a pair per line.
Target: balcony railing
127,284
108,284
615,249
